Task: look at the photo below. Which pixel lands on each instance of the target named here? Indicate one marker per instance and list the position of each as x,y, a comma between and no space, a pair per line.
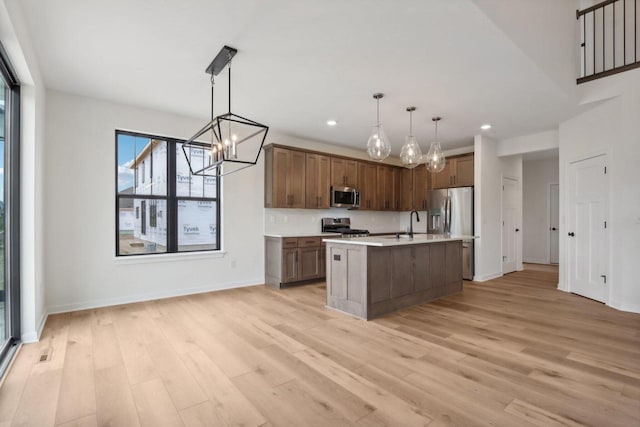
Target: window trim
171,199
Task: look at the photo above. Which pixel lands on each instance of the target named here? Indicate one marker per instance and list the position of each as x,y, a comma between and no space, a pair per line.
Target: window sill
188,256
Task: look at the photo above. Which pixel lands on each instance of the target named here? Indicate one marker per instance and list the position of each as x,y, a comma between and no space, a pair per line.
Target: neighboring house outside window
167,209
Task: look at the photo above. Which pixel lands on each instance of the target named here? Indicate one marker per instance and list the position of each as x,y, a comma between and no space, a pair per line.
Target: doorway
510,226
554,223
587,234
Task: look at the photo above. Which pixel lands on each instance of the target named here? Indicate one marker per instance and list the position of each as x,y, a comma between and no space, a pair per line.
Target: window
9,210
161,207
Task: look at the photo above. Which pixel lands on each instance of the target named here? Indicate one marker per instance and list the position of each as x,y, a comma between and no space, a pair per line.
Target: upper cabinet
317,183
284,178
367,185
406,189
344,172
458,172
420,187
299,178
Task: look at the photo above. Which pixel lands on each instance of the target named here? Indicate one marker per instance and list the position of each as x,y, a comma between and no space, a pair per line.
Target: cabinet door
396,200
367,185
317,185
406,187
420,185
351,173
296,179
338,176
344,172
385,187
463,176
444,178
309,262
280,196
289,265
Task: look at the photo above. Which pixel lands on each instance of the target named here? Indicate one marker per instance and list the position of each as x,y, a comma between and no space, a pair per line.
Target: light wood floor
512,351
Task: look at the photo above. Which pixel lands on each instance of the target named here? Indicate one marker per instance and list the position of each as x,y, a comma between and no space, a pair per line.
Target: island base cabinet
367,281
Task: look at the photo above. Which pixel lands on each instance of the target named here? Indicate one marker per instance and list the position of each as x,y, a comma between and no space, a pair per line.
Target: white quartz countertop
285,235
392,241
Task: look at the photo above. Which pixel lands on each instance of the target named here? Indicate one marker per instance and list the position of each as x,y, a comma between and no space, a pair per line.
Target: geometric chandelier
229,142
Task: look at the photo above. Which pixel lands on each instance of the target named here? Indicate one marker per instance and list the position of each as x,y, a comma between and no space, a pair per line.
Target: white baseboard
624,306
535,261
487,277
34,336
65,308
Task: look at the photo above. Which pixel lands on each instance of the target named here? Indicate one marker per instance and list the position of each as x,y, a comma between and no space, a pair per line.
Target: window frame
171,198
12,186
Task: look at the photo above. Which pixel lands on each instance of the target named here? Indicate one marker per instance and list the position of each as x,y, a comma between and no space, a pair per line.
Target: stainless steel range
342,226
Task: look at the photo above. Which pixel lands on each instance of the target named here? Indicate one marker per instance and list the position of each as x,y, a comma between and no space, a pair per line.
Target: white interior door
587,241
510,227
554,223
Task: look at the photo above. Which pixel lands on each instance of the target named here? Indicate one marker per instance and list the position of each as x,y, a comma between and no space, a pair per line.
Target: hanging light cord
378,111
212,86
436,131
229,65
410,123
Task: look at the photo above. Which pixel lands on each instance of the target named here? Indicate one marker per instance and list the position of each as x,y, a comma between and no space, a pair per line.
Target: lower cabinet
293,259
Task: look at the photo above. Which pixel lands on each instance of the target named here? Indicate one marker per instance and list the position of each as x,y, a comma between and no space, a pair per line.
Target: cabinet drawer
309,242
290,242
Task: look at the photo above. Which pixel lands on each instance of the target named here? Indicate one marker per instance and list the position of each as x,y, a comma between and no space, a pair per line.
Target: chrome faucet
411,222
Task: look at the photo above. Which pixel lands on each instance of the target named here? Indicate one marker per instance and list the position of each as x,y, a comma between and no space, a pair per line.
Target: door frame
564,246
519,266
549,221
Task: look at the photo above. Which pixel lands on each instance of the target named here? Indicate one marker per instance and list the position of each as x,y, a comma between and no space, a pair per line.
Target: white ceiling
301,62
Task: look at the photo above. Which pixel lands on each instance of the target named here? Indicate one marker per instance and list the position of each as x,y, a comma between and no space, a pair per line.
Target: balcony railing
609,39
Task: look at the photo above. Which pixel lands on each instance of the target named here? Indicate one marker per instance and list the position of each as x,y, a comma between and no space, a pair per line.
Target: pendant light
378,146
435,159
411,154
234,143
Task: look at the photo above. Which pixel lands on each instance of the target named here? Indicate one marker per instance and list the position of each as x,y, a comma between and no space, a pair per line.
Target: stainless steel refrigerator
451,211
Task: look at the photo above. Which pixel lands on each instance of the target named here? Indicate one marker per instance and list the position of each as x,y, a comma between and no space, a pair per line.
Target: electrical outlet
233,263
272,219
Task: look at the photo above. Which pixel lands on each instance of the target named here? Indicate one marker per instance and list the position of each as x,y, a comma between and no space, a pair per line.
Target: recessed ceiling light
331,122
485,127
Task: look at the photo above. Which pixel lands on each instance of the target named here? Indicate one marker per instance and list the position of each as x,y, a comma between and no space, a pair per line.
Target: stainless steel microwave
345,197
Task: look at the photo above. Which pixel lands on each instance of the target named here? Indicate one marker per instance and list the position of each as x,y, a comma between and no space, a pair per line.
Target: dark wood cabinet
367,185
420,188
293,259
299,178
317,181
344,172
385,188
406,189
284,178
289,265
464,171
457,173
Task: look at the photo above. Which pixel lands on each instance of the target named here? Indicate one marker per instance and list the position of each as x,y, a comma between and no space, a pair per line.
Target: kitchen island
371,276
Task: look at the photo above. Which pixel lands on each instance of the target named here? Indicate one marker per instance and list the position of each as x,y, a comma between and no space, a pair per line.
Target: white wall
16,40
488,262
531,143
611,127
489,171
81,268
537,175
